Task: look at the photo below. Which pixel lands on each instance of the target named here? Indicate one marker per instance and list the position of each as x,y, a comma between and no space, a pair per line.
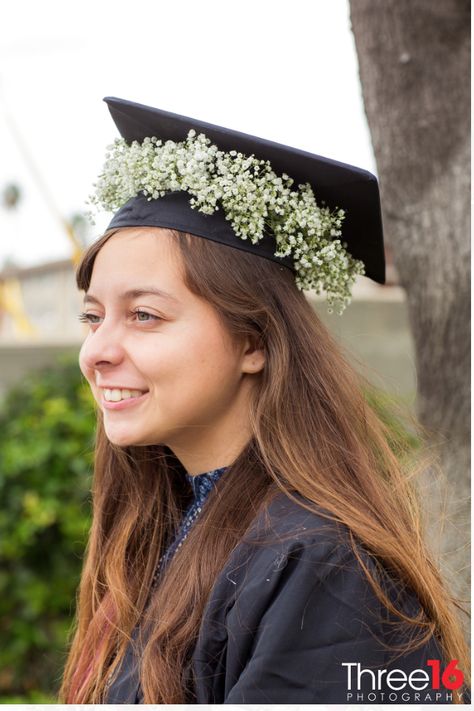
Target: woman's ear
253,358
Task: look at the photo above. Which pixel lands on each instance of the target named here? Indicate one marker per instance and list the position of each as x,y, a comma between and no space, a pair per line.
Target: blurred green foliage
46,448
405,433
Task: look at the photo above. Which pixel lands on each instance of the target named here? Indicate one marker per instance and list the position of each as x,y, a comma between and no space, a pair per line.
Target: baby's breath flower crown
252,196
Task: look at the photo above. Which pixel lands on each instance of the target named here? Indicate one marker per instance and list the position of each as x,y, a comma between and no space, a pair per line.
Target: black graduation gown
282,621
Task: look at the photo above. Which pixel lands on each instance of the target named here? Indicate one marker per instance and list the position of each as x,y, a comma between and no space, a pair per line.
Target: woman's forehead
143,248
139,259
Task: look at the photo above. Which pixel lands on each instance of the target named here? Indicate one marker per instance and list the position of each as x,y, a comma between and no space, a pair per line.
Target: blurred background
384,86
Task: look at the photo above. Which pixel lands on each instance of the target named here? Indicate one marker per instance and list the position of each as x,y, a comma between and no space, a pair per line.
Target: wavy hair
307,393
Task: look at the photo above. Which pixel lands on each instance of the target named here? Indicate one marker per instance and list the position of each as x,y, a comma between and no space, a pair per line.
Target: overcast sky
286,71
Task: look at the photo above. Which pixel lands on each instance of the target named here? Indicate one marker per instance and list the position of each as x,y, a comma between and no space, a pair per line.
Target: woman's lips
122,404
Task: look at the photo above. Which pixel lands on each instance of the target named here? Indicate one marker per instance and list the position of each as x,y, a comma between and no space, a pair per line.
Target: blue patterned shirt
202,485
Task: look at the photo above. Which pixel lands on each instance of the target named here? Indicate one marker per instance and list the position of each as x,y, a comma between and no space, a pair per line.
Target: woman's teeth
116,395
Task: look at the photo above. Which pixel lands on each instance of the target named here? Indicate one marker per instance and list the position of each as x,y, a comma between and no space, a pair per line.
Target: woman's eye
88,318
144,316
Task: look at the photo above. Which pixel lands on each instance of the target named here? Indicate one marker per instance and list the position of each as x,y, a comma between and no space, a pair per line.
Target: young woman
255,537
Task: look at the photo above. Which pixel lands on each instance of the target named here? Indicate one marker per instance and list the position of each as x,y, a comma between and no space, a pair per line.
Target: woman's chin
130,439
120,441
124,439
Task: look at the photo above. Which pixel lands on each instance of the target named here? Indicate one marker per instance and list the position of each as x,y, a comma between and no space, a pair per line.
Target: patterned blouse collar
202,484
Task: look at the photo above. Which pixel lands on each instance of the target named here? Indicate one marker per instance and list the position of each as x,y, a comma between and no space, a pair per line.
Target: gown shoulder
292,618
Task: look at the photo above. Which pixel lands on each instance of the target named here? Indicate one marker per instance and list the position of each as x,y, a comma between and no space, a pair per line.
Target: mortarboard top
334,183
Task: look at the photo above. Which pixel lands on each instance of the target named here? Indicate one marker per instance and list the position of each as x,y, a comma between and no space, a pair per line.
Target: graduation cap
334,184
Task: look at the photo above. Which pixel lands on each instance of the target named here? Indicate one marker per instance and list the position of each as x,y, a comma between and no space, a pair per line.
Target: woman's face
160,364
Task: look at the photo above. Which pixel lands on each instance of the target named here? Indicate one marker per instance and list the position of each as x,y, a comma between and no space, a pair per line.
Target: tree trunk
414,66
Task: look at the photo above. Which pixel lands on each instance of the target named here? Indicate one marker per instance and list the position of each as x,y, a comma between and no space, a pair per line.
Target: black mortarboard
334,183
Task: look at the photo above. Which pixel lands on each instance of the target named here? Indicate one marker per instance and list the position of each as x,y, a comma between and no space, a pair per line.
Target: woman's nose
103,347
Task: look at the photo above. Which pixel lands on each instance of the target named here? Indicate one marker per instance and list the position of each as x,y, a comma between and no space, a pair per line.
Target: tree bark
414,60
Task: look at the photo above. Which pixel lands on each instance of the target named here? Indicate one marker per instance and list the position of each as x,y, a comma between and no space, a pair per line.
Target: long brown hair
314,433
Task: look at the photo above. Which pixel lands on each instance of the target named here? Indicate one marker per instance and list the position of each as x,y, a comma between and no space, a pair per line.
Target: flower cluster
253,197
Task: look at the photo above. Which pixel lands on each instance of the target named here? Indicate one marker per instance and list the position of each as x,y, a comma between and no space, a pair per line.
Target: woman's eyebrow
135,293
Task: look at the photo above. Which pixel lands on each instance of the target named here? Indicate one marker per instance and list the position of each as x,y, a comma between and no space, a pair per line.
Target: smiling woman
170,348
255,537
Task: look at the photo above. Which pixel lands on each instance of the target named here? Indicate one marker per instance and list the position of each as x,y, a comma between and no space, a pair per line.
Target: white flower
253,197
